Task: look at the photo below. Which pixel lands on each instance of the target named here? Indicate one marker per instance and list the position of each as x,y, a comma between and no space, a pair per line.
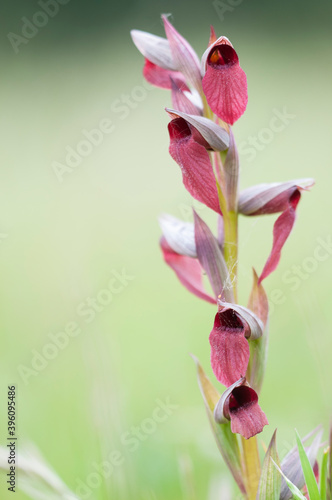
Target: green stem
231,247
252,466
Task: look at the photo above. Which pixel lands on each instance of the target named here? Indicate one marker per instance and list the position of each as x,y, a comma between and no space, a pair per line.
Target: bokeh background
63,238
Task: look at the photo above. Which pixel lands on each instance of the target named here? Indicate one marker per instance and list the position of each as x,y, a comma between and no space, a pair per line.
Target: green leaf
297,495
308,473
323,474
270,481
227,442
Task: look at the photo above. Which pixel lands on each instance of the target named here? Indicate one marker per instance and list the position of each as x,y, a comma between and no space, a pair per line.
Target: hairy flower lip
194,161
224,81
234,326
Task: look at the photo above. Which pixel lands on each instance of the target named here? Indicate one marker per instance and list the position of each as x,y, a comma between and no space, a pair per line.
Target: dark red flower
239,404
233,326
224,81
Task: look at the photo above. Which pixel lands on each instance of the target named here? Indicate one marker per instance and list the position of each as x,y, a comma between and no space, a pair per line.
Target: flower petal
181,98
247,417
212,135
188,270
179,235
239,404
225,82
229,347
161,77
184,56
219,410
273,198
255,325
194,161
270,198
154,48
281,230
212,260
213,36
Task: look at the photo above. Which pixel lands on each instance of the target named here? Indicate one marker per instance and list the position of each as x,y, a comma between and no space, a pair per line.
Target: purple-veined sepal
179,251
269,199
163,78
184,100
212,259
154,48
183,55
207,133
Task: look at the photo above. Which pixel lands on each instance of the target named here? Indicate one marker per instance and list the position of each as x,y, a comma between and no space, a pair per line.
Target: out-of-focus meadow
65,241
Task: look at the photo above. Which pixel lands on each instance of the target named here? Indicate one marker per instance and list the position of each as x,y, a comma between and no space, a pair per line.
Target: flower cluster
208,97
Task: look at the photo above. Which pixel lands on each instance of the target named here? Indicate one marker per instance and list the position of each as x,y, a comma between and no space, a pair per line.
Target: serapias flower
179,250
270,199
191,250
224,81
191,137
173,64
233,327
239,404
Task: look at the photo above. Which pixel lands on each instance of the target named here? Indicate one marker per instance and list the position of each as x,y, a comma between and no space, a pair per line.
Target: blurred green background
60,242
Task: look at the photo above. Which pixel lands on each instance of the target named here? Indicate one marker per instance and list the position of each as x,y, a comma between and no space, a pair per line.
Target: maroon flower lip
239,404
193,159
233,326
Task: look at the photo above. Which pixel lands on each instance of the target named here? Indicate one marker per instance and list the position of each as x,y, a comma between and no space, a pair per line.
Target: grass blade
270,481
308,473
323,474
297,495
